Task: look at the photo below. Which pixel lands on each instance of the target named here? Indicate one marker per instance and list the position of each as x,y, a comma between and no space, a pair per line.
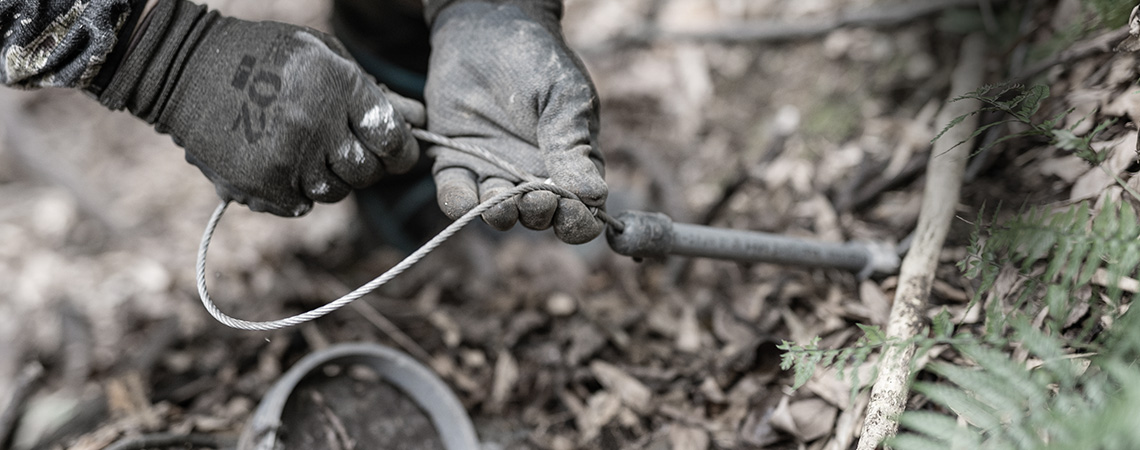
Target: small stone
561,305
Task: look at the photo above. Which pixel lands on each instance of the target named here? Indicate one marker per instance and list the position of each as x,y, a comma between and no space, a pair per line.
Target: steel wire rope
530,183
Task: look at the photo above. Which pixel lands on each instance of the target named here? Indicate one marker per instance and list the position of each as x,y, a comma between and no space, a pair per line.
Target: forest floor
547,345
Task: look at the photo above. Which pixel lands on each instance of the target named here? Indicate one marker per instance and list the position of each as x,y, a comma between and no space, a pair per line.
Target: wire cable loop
530,183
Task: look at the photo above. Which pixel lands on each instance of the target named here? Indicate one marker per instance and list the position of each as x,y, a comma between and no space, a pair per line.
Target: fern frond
969,406
943,429
1062,400
1072,249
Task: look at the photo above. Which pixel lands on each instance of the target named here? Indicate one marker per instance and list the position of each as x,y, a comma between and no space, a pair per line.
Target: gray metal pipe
654,235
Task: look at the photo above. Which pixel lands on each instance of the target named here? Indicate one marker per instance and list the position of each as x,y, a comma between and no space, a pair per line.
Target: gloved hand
276,115
501,77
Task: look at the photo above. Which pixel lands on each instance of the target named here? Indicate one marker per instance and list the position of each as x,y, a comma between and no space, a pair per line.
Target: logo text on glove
261,88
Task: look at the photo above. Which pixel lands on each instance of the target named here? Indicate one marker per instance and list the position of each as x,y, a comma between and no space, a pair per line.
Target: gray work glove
276,115
501,77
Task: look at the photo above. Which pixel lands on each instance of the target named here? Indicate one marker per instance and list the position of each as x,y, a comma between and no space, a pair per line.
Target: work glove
276,116
501,77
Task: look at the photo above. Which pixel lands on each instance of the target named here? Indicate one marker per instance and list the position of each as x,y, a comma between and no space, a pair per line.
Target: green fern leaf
1051,123
941,327
1081,251
1067,140
915,442
1129,228
1057,262
828,358
873,334
1049,349
1093,261
804,369
953,122
990,390
1037,246
1107,222
1013,375
961,402
788,357
1123,267
945,431
1031,102
843,360
1057,300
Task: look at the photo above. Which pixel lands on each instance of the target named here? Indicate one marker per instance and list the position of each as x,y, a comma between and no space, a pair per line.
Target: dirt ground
547,345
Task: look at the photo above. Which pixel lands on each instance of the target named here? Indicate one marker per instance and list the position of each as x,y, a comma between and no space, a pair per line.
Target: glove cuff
120,50
144,80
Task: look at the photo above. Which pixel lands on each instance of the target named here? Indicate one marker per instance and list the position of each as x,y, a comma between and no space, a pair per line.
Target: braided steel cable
530,184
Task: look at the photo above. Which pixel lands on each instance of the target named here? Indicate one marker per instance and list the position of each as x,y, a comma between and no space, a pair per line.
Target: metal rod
654,235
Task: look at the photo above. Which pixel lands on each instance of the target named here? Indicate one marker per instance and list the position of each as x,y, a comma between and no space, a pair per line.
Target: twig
25,385
377,319
387,327
939,198
1102,43
776,31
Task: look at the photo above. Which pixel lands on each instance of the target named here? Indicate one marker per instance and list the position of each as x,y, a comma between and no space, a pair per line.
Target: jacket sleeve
62,43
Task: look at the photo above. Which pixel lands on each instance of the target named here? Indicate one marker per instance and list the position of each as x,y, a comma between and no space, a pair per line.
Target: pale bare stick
939,198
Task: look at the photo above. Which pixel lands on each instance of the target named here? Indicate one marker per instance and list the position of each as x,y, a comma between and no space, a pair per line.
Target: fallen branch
776,31
939,198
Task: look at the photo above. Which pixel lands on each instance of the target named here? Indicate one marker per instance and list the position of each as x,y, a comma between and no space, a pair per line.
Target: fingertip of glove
581,177
594,196
455,201
591,190
503,216
536,209
455,191
574,223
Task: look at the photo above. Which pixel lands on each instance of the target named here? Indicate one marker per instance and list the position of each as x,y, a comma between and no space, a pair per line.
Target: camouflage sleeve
60,43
